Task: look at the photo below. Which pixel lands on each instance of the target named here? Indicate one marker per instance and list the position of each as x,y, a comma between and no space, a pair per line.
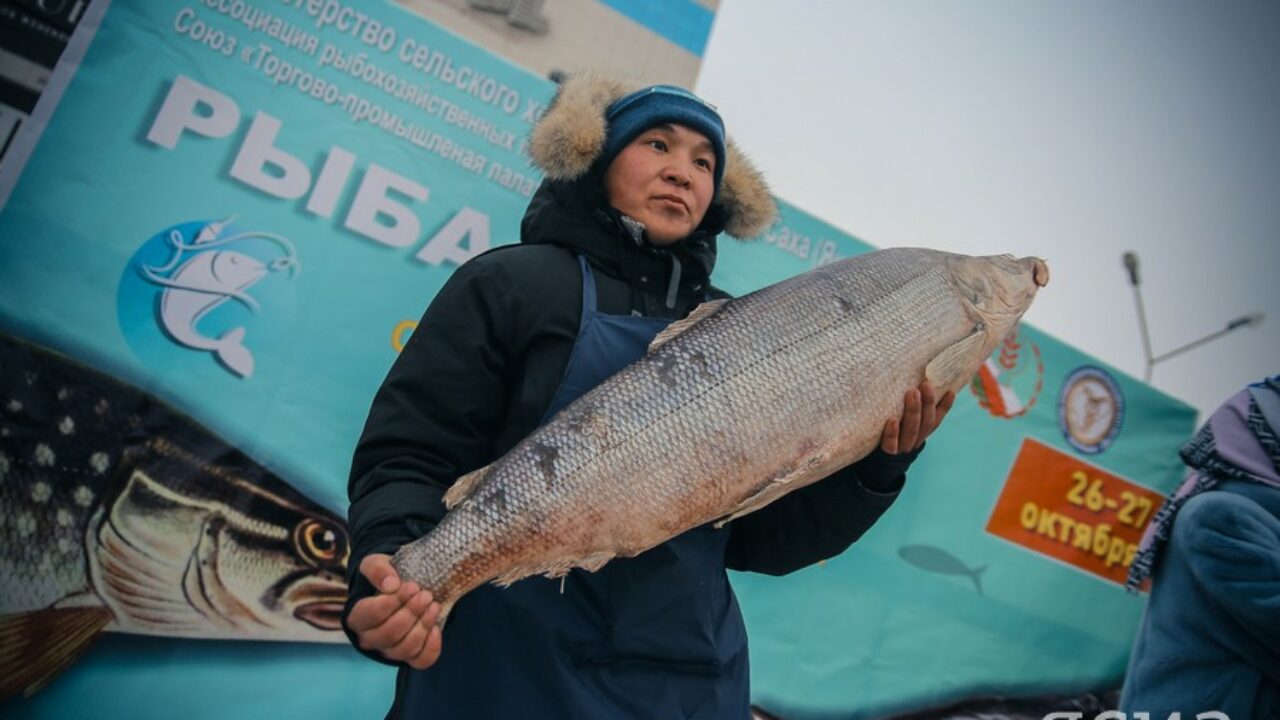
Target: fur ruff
570,136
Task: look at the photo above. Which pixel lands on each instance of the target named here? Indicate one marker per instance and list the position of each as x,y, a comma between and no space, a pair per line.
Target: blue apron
659,635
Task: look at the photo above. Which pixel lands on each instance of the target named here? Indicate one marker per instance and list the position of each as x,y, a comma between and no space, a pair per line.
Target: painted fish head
294,584
113,498
998,289
218,547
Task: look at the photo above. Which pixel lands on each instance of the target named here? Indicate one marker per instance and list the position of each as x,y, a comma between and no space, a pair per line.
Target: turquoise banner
232,222
241,209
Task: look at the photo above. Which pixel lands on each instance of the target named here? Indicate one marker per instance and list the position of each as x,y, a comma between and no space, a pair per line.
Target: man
617,243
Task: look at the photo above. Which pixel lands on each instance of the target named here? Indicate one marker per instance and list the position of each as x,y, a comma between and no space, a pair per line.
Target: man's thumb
378,569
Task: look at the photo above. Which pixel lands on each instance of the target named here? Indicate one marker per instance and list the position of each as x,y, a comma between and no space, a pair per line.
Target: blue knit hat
632,114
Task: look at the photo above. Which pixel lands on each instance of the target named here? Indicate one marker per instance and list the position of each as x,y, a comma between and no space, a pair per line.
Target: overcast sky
1069,130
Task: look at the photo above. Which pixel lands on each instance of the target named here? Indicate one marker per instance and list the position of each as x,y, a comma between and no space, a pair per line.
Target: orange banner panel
1060,506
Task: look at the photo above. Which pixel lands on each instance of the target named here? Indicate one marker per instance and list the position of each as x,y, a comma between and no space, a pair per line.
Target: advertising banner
1000,569
232,221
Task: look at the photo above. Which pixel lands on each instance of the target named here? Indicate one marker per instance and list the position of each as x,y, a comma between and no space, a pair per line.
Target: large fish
117,513
742,402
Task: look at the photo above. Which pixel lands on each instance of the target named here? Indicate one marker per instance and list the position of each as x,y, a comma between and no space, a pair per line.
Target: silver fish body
743,402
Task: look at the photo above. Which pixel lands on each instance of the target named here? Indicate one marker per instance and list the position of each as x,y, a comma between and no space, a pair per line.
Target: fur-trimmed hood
570,136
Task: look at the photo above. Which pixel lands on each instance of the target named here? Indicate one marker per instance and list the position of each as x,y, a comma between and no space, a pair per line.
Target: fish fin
592,563
774,489
977,578
700,313
550,568
463,486
36,647
137,565
556,568
232,352
955,365
752,504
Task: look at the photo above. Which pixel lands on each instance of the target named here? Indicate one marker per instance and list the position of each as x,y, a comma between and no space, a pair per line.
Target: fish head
236,271
293,584
213,545
998,289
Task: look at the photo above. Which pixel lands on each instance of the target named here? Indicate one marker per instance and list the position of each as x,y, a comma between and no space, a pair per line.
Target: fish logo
1090,409
936,560
1003,385
186,288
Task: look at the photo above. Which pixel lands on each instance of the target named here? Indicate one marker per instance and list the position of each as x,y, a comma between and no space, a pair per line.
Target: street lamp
1131,264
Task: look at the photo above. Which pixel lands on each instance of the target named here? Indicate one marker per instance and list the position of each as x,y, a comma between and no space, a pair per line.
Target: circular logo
1009,382
208,288
1090,409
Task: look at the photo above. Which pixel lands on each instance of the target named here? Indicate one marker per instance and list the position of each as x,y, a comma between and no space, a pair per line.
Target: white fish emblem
205,282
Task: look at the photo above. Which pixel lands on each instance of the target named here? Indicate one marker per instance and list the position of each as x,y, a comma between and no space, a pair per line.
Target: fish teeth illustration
936,560
144,522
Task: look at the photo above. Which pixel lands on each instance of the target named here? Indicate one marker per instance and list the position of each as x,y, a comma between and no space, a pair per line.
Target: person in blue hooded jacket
1209,641
618,242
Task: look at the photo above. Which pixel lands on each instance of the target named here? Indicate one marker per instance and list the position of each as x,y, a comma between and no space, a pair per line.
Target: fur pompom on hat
593,117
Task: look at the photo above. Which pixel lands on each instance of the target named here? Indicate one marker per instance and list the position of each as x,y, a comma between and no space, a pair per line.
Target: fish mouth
322,614
1039,272
319,604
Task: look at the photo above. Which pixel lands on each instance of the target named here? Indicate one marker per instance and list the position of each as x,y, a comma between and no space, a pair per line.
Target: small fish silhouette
937,560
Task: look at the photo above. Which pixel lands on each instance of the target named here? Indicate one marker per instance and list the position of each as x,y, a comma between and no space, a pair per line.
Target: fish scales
108,497
120,514
773,391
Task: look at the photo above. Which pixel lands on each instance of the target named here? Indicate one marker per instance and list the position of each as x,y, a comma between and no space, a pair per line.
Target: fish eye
320,542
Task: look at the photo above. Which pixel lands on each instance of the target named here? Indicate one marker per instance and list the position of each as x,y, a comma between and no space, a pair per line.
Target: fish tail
232,352
976,576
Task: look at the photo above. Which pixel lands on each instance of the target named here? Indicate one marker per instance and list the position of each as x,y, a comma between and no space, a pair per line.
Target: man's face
663,178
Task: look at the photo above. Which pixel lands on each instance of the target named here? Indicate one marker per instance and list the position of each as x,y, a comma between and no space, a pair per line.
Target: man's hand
921,415
400,621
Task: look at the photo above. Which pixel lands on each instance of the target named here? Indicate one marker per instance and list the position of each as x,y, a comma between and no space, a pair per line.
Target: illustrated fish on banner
936,560
119,514
266,197
180,286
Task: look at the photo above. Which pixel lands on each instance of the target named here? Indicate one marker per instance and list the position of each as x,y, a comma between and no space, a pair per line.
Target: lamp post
1131,264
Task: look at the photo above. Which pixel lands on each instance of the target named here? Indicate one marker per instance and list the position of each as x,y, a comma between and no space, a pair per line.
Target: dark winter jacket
488,354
